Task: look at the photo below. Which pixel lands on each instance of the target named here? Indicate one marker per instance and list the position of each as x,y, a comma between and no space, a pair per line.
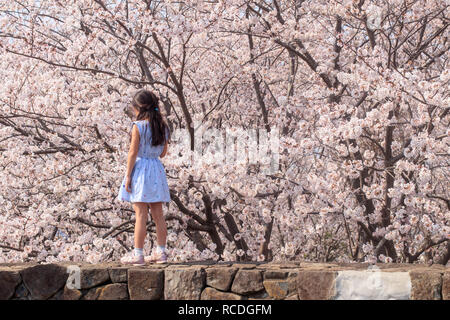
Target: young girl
145,182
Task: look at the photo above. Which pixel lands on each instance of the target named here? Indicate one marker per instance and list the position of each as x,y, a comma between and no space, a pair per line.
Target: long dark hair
147,103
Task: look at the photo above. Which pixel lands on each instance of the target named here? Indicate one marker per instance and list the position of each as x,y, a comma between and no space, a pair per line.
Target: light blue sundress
148,177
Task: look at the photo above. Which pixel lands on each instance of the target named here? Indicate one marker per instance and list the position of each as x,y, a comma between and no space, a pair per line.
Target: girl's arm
163,153
134,148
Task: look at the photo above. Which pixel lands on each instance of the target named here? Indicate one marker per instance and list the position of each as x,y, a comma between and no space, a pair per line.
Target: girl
145,182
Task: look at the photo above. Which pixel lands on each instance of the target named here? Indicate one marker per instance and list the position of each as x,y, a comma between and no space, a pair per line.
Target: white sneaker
133,260
156,256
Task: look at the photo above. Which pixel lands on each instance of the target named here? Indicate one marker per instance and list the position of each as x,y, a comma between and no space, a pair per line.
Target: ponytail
147,103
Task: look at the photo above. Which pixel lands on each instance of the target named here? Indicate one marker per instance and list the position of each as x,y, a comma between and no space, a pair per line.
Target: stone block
315,285
21,293
184,283
220,278
118,274
44,280
446,286
92,276
293,296
114,291
425,285
59,295
145,284
9,280
280,288
261,295
214,294
247,282
276,274
91,294
71,294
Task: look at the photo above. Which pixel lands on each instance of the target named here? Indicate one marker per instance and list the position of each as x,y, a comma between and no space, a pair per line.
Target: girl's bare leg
160,223
140,227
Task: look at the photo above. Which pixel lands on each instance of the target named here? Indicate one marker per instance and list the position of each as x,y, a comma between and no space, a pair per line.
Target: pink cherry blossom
358,96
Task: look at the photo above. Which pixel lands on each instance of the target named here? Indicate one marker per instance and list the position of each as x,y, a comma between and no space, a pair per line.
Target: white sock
161,248
138,252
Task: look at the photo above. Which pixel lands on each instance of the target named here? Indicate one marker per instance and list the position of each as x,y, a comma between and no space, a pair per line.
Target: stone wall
224,281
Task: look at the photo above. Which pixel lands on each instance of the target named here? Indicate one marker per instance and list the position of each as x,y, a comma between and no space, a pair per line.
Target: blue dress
148,177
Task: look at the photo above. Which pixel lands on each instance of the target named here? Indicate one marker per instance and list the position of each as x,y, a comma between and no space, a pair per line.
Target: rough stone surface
280,288
21,293
247,282
91,276
91,294
145,284
214,294
277,265
9,280
114,291
118,274
244,265
292,297
446,286
184,284
276,274
71,294
58,295
425,285
315,285
220,278
43,281
261,295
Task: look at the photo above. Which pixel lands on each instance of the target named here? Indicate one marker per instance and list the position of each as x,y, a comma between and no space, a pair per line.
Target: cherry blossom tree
355,92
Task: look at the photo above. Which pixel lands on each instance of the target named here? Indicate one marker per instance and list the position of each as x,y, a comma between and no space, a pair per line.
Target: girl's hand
128,184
